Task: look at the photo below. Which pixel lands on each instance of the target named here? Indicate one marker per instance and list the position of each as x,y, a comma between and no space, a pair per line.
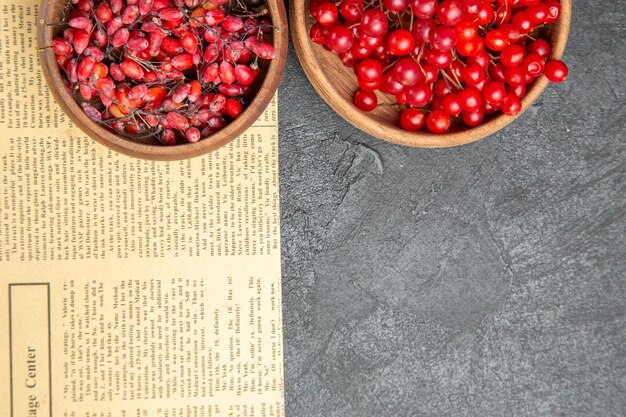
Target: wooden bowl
337,84
52,11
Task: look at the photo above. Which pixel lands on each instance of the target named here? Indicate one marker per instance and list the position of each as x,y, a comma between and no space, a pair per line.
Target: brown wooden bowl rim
395,134
160,152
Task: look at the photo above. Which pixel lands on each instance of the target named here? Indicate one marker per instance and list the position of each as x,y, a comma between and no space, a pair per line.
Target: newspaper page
131,287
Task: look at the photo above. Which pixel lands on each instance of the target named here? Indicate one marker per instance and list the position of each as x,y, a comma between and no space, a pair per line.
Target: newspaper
131,287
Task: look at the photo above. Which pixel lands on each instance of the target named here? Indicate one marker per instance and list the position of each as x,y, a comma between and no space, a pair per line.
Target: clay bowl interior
53,11
337,84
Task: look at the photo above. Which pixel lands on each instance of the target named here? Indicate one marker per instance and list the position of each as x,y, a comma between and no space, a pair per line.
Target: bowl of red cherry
163,79
431,73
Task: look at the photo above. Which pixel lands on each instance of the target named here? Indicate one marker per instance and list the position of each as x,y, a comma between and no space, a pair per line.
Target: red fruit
412,119
451,12
195,91
470,99
496,40
473,74
137,43
400,42
189,42
466,30
511,104
438,121
340,39
369,70
452,104
232,23
79,20
61,47
230,90
120,37
100,37
132,69
177,120
317,34
264,51
424,8
540,47
374,22
244,74
473,118
365,100
326,13
471,48
352,12
408,72
512,56
444,38
155,95
519,90
439,59
514,75
227,72
193,134
494,92
171,14
138,92
116,5
391,84
103,12
86,91
145,6
130,14
80,40
232,108
171,46
556,71
182,62
85,68
419,95
168,137
396,6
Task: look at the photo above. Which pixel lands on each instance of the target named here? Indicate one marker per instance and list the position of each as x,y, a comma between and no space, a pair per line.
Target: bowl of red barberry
163,79
431,73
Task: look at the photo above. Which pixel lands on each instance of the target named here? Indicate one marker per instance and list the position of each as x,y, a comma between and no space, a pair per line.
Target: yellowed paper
128,287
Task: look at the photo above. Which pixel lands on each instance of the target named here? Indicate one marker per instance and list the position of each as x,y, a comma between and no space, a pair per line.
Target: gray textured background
485,280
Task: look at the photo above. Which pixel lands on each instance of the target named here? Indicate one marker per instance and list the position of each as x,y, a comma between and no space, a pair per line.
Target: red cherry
533,65
400,42
511,104
374,22
512,56
540,47
473,118
412,119
494,92
419,95
365,100
556,71
327,14
496,40
424,9
444,38
438,121
470,99
451,12
396,6
369,70
408,72
452,104
340,39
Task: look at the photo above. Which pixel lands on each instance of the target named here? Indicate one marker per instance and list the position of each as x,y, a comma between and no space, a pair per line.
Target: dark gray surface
486,280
